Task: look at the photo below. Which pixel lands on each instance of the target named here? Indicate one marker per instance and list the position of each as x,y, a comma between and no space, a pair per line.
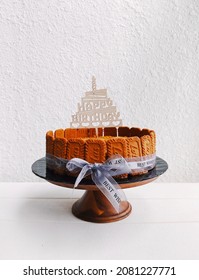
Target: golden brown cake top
122,131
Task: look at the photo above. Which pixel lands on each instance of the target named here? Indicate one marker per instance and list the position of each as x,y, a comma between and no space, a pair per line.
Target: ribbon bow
102,176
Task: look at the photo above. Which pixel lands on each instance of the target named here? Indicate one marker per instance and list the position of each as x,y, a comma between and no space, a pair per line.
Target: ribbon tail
81,175
110,188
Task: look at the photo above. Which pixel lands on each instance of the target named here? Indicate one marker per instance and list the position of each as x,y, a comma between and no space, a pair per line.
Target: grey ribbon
101,175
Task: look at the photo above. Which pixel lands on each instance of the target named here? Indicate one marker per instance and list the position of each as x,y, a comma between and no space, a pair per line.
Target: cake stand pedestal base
93,206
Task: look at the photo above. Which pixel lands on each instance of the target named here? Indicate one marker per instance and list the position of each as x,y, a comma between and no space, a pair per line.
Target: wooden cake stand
93,206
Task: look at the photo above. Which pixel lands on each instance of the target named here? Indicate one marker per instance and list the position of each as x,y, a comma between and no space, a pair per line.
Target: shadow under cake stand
93,206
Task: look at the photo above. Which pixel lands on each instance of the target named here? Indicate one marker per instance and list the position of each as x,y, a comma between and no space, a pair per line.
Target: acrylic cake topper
96,110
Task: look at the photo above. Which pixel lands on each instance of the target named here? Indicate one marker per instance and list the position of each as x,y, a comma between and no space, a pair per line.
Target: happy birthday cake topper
96,110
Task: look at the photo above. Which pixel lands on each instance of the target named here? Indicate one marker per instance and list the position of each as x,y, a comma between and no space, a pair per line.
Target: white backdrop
145,52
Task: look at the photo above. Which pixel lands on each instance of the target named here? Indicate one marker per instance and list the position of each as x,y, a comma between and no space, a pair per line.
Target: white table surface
36,223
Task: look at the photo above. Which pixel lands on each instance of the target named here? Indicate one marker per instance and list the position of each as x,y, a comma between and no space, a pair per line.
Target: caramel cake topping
95,150
124,131
75,148
70,133
145,131
60,147
110,131
146,145
49,142
99,131
82,132
134,147
92,132
135,131
117,146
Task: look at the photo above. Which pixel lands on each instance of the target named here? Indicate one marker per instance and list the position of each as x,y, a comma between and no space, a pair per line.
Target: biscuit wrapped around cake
96,146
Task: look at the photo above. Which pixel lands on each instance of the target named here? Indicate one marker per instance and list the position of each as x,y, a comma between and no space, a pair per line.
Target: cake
96,134
97,145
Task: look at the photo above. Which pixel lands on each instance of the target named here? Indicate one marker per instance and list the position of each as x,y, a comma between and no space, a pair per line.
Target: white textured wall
145,52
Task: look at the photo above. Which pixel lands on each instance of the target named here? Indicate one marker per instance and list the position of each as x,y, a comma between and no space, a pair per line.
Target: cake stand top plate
39,169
